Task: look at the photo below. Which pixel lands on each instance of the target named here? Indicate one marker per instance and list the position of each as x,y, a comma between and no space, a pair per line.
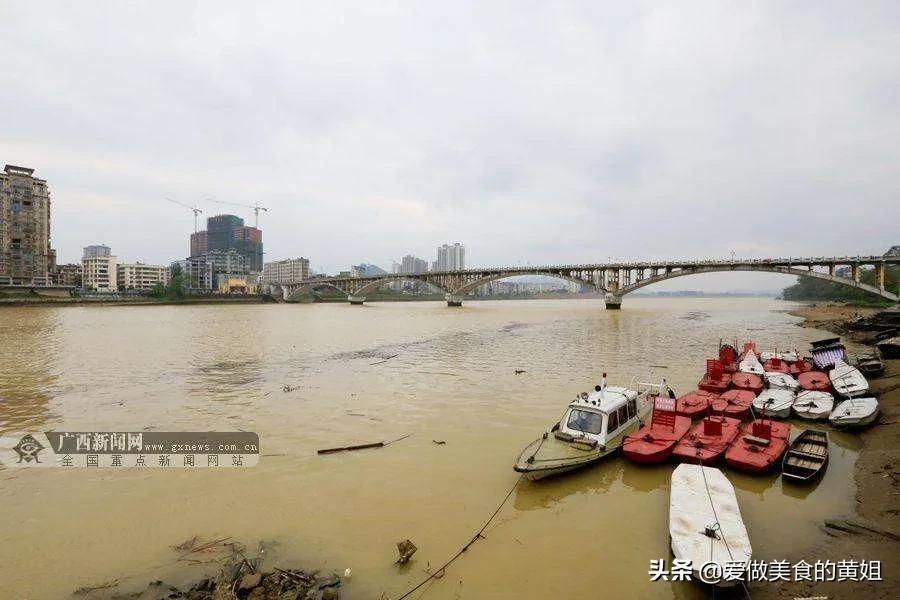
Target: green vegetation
175,289
810,288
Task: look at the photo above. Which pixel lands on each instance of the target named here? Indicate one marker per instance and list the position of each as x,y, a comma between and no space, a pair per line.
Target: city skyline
640,142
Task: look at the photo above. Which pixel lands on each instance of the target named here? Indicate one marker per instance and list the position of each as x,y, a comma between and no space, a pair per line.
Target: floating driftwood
360,446
385,360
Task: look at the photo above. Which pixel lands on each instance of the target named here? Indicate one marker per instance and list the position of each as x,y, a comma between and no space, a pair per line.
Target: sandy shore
873,533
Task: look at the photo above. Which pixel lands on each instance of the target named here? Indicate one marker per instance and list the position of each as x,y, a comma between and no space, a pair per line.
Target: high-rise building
25,252
290,270
228,232
413,264
98,269
450,258
138,276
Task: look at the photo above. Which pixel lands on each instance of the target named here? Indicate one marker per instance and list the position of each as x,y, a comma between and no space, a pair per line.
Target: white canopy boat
774,402
812,404
847,380
764,356
776,379
750,364
705,522
856,412
592,428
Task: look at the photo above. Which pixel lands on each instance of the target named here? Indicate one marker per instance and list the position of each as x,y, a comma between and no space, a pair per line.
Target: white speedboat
592,428
750,364
847,380
811,404
789,356
776,379
856,412
774,402
705,523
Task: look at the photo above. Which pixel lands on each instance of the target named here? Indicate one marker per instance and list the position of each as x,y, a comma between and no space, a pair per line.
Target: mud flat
873,533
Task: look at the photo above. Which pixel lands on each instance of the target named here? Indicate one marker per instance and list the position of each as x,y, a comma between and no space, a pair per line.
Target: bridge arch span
468,287
309,287
379,283
793,271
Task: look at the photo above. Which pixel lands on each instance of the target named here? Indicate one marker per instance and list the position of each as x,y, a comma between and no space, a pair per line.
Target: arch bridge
613,279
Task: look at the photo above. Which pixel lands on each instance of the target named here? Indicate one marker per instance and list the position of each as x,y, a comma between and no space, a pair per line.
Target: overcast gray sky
532,132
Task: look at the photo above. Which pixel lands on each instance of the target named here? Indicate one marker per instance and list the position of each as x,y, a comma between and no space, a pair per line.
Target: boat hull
733,403
814,381
654,444
704,444
694,404
747,381
744,455
807,456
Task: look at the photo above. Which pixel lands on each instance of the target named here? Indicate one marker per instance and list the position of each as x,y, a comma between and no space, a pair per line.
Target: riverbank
873,533
75,301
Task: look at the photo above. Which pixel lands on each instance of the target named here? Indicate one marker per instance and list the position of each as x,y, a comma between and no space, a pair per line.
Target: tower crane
196,209
255,206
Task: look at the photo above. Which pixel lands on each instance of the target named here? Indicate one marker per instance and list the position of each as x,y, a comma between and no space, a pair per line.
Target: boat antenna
603,382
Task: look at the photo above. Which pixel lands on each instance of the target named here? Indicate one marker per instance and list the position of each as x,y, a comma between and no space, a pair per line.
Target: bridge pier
356,300
613,302
454,300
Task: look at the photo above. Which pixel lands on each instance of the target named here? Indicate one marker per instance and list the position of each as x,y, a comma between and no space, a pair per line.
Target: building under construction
228,232
25,253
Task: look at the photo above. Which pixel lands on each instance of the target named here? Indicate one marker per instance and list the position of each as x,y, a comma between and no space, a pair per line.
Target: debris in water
519,371
90,588
360,446
406,549
439,442
290,388
385,360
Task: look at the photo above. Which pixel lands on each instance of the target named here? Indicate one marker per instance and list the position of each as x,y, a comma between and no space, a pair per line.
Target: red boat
801,366
733,403
654,442
747,381
760,445
694,404
776,365
708,440
728,356
814,380
716,379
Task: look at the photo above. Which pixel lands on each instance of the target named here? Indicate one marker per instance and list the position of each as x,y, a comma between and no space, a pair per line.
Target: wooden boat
750,363
856,412
694,404
715,379
776,365
825,353
774,402
733,403
870,365
708,440
813,404
814,381
592,427
847,380
759,446
654,442
747,381
889,348
807,457
779,379
699,499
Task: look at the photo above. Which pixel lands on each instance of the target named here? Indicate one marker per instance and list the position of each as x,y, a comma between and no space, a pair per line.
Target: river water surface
219,367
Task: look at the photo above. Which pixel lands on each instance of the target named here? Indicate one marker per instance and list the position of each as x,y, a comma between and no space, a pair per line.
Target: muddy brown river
590,534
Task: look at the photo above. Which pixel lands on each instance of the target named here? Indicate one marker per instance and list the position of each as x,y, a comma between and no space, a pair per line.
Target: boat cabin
600,415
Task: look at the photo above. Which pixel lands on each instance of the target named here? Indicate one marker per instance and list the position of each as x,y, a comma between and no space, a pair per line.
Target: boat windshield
586,421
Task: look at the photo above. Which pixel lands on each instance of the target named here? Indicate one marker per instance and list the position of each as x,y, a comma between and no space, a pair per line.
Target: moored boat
814,381
774,402
654,442
870,365
847,380
779,379
890,348
776,365
800,366
807,457
811,404
694,404
715,379
750,363
728,356
789,356
825,353
708,440
705,523
592,428
747,381
759,445
733,403
856,412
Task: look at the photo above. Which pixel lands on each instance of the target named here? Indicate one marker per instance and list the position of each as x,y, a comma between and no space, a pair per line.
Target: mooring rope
474,539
